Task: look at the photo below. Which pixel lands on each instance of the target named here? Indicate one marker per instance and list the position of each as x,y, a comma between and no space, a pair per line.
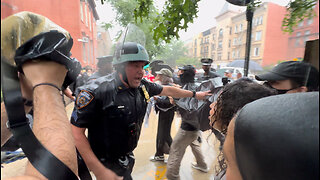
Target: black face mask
279,91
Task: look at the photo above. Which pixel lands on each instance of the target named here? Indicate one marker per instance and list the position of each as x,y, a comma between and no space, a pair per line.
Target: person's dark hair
188,74
232,98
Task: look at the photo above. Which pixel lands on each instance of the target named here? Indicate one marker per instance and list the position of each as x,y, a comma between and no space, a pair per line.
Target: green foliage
252,5
175,17
297,11
171,52
125,14
106,26
188,60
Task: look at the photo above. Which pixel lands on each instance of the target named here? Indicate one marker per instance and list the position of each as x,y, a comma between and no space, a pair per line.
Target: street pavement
144,169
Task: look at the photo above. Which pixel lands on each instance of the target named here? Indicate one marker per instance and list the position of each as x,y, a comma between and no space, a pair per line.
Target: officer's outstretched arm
181,93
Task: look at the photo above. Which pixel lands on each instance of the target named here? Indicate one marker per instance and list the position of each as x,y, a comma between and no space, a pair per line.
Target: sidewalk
144,169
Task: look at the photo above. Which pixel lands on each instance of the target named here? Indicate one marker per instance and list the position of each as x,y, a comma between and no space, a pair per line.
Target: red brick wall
276,40
65,13
296,50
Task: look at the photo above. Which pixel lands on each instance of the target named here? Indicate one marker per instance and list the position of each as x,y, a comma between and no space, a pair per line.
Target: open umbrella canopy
240,63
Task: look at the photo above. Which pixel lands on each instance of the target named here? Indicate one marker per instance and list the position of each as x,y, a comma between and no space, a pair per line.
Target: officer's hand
108,175
202,94
41,71
171,100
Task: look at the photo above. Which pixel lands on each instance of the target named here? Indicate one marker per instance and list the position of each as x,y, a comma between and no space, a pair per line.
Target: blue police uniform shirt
112,113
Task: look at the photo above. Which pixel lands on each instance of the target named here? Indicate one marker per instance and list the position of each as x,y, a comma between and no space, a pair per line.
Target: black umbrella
240,63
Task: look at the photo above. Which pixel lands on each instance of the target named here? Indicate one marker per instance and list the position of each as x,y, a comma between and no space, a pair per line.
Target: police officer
104,67
112,108
206,66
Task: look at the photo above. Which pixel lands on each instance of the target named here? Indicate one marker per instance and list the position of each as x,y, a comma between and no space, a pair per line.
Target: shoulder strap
43,160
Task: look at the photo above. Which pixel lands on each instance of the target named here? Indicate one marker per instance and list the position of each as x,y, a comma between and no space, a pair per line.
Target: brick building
76,16
306,30
269,44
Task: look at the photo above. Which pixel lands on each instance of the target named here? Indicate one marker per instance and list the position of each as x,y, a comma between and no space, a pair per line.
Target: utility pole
249,16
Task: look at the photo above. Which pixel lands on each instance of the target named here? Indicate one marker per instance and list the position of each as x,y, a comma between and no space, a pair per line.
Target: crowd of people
266,130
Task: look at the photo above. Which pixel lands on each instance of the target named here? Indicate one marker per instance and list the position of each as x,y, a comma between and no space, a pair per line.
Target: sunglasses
279,91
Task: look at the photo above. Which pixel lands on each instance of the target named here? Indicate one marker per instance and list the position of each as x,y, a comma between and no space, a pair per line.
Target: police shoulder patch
83,99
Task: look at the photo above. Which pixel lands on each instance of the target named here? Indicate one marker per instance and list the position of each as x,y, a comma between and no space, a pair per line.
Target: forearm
52,128
86,152
175,92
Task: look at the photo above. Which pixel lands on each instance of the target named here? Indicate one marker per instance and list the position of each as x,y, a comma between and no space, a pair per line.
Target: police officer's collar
119,84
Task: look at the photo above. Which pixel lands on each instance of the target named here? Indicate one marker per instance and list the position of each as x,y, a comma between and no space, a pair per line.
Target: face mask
279,91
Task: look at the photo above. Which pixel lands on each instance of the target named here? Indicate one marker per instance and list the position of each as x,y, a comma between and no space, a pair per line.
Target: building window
81,11
306,36
310,21
195,42
239,40
212,56
230,30
258,35
235,29
260,20
256,51
228,55
220,33
298,39
213,37
89,54
229,44
234,41
89,20
213,46
233,54
220,44
86,15
254,20
219,56
300,24
238,53
84,56
240,27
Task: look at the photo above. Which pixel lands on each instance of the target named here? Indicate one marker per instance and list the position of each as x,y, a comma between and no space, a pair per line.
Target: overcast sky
208,10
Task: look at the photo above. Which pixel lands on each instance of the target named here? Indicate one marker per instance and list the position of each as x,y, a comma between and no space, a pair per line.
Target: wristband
49,84
194,93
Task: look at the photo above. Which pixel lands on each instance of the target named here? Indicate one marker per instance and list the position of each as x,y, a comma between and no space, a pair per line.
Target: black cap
295,70
187,67
105,58
206,61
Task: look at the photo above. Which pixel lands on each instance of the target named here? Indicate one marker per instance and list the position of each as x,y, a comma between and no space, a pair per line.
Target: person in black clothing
187,134
166,108
208,74
113,108
104,67
81,80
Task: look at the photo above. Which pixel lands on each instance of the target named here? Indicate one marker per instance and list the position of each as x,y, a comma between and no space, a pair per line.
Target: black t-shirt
112,113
